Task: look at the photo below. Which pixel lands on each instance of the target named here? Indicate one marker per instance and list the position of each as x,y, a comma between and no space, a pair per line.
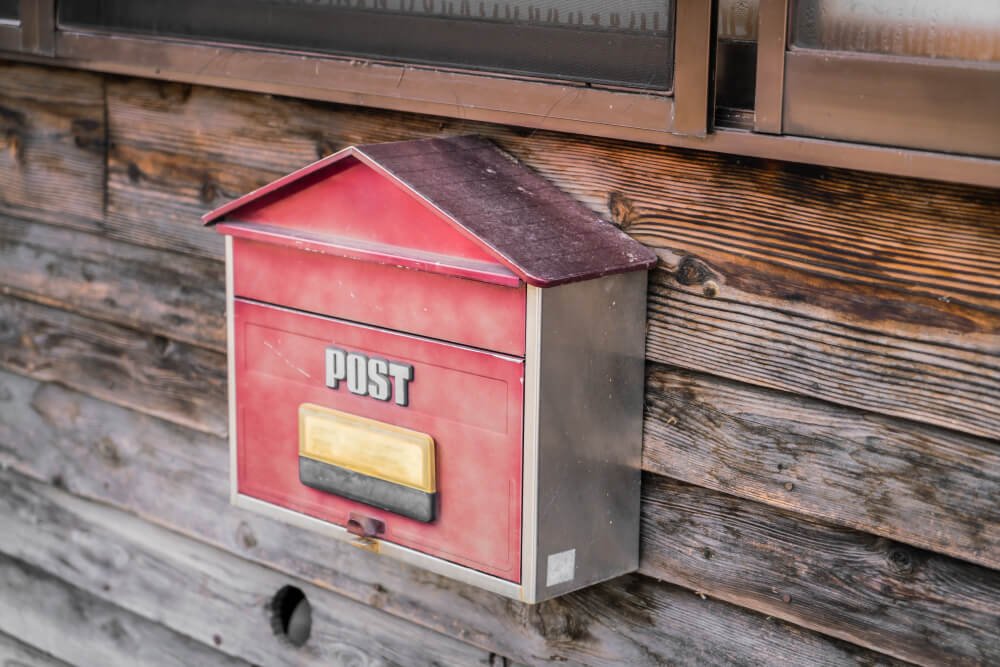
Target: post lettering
378,382
401,375
336,367
369,376
357,373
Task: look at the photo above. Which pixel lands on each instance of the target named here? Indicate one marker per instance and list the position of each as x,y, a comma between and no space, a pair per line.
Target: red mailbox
438,355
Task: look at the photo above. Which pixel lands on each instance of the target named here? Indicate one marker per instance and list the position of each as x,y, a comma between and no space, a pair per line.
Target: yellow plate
366,446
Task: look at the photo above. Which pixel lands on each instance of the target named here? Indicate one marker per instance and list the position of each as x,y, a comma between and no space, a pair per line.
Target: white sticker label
560,567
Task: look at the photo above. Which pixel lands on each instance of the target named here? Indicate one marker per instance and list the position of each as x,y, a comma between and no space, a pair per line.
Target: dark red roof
542,234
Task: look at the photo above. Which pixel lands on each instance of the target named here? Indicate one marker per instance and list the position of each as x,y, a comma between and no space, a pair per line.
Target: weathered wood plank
173,380
170,294
913,604
867,291
198,591
931,374
921,485
81,629
15,654
82,271
179,478
870,291
177,151
955,478
52,144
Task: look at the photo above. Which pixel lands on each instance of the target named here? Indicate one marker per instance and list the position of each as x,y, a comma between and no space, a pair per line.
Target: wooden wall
822,474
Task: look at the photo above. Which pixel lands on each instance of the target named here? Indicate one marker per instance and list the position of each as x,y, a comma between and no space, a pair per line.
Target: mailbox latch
364,526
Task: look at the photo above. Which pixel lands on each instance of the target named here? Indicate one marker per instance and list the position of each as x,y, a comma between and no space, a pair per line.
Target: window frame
921,103
680,120
10,35
512,99
34,30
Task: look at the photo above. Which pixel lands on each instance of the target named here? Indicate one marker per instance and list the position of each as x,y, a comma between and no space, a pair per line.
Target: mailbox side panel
585,360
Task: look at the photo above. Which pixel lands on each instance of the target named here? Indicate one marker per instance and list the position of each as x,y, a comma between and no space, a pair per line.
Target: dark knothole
291,615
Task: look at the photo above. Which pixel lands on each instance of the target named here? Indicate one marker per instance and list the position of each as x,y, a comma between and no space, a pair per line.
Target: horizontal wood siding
167,378
82,629
149,570
53,141
126,459
914,604
822,404
161,292
14,653
925,486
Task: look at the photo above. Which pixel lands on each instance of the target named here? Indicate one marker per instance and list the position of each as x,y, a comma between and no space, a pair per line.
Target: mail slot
436,355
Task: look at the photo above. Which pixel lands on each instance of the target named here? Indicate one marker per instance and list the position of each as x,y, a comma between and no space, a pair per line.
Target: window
910,87
605,42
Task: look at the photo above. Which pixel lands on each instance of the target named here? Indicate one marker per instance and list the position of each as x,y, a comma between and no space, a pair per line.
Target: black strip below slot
397,498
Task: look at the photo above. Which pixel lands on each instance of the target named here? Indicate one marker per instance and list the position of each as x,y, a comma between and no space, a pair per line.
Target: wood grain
795,287
933,375
924,486
912,604
179,478
15,654
876,292
173,380
948,507
871,291
178,151
199,592
52,145
169,294
78,628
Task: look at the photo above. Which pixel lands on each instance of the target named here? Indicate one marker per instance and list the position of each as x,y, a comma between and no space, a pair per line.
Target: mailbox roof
540,233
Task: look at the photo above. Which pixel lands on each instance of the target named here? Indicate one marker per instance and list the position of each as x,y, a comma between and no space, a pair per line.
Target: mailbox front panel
470,402
469,312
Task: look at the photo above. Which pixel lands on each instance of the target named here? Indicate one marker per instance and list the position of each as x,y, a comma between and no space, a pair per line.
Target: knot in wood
161,345
326,146
208,191
88,134
108,451
134,173
557,622
622,209
900,559
14,142
177,93
245,535
692,271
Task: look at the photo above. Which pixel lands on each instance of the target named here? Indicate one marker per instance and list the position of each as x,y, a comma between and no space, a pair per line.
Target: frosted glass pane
955,29
738,19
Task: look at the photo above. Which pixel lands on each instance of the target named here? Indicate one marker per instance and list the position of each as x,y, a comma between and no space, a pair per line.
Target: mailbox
437,355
